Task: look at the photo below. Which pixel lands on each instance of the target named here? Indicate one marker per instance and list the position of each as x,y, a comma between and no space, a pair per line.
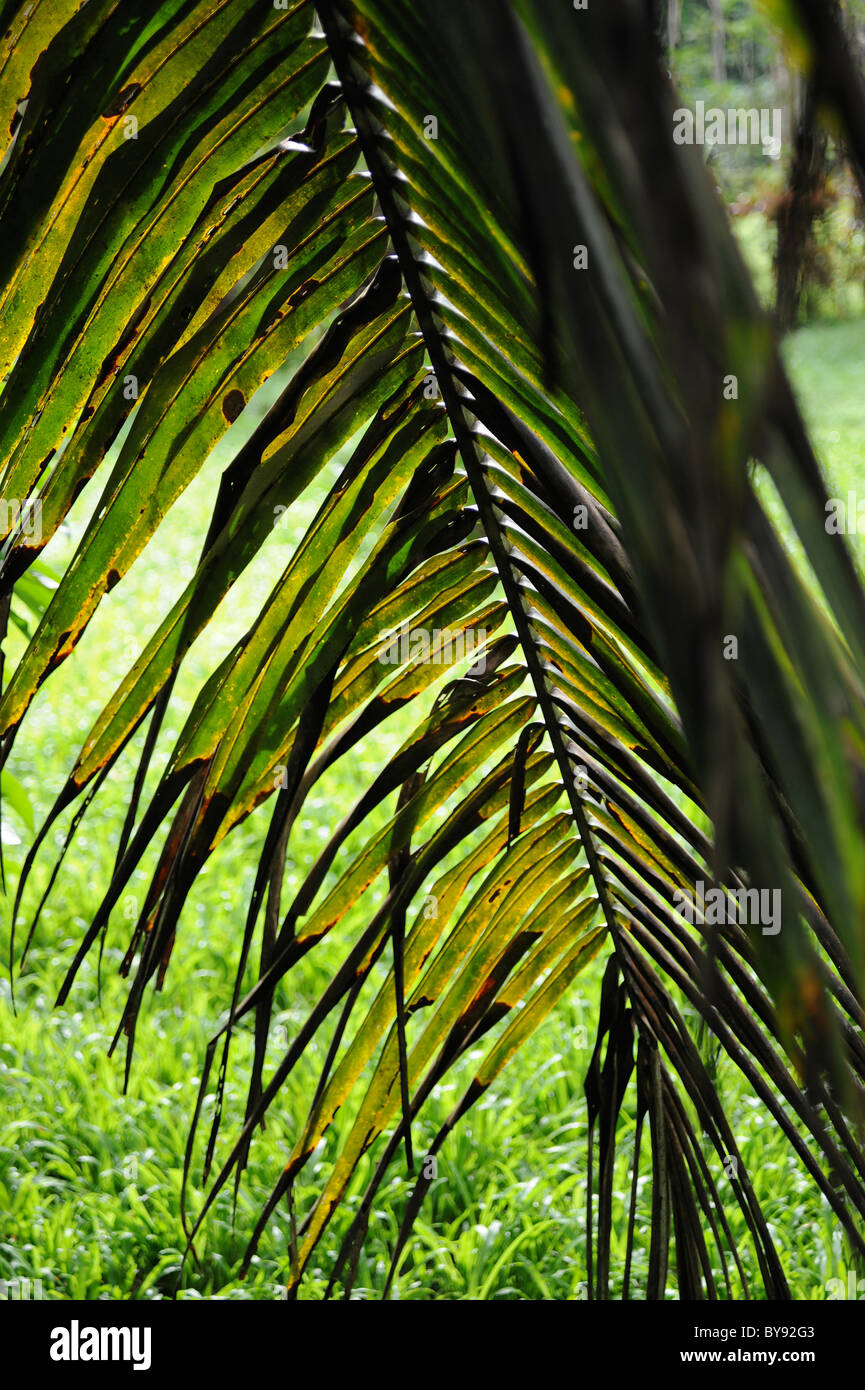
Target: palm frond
544,386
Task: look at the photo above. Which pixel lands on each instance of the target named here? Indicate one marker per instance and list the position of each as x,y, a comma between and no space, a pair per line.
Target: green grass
827,363
90,1178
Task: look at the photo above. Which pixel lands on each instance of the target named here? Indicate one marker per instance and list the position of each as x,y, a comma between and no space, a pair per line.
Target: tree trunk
674,24
719,56
800,205
784,87
661,19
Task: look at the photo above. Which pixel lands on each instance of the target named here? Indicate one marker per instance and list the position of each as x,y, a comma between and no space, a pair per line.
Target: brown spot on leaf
121,101
232,405
113,578
59,655
422,1003
302,292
